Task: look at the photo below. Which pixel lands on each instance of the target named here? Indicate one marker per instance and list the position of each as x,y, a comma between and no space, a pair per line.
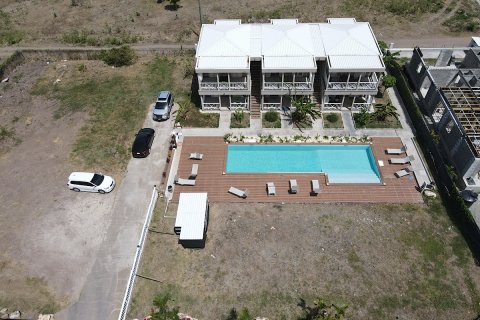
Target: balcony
349,86
287,85
239,105
352,82
228,86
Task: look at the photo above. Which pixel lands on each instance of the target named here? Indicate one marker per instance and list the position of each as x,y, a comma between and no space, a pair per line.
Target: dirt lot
38,21
384,261
48,234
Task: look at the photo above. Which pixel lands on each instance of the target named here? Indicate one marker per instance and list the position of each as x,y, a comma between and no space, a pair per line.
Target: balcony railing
332,106
238,105
352,86
287,85
360,106
211,106
271,105
223,86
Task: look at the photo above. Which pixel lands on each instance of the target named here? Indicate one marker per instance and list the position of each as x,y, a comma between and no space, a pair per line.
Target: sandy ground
48,233
384,261
46,22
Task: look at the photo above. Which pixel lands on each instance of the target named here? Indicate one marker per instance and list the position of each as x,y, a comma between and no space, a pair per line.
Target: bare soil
43,22
48,233
384,261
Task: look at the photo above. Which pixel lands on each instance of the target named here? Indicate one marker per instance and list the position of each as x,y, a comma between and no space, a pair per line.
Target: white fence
138,254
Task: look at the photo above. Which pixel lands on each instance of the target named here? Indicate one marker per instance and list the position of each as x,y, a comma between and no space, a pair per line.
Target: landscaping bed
332,120
271,119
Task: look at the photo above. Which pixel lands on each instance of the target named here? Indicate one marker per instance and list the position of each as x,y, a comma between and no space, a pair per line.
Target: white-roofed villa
262,66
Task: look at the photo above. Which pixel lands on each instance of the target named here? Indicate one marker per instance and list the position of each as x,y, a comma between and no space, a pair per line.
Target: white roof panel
305,63
349,39
348,63
222,63
191,215
228,45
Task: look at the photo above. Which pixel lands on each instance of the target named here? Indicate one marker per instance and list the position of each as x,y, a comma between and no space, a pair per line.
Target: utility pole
200,12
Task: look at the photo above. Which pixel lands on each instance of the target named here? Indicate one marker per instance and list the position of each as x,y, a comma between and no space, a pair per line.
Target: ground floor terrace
211,178
285,102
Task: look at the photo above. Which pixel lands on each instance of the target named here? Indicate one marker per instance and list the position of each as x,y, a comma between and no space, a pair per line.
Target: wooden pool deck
211,179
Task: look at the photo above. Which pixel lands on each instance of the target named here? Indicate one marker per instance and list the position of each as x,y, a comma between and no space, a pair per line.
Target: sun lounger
293,186
397,151
315,187
184,182
194,172
270,189
196,156
238,192
402,160
404,172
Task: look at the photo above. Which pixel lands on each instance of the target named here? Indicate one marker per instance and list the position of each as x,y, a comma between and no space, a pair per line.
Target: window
449,126
419,68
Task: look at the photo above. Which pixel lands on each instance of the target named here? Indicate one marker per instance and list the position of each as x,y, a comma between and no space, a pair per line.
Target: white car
90,182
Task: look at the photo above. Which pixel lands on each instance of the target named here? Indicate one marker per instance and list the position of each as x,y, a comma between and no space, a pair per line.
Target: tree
362,118
163,311
175,4
389,58
304,112
118,57
322,310
389,81
383,111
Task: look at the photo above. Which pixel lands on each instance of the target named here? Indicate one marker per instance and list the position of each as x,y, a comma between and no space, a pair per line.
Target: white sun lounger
293,186
194,172
184,182
270,189
402,160
315,187
238,192
196,156
404,172
397,151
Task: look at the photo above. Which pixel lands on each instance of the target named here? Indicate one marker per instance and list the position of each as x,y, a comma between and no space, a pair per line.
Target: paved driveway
105,284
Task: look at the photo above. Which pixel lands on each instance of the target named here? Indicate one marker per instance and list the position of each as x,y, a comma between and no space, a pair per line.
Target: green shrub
332,117
118,57
271,116
389,81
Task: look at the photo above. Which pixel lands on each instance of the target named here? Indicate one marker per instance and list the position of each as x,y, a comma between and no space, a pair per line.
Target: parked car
163,106
90,182
143,143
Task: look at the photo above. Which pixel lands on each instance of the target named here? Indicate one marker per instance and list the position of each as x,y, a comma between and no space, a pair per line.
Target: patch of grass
276,123
465,18
240,122
189,115
372,123
91,39
354,261
8,34
116,105
6,133
332,120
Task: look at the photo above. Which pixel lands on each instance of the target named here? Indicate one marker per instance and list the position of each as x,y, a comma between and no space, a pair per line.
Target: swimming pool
342,163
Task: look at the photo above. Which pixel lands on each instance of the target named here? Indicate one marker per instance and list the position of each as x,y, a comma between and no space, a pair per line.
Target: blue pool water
342,163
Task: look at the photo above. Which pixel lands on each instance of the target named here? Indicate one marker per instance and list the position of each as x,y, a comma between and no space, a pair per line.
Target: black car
143,143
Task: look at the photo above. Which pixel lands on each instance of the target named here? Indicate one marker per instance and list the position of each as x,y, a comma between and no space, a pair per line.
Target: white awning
225,64
355,63
278,64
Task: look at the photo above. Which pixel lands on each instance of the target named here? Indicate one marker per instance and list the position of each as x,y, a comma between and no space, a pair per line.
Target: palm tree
304,112
383,111
389,58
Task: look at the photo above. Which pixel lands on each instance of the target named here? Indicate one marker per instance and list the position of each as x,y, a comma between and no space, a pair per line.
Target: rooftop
277,42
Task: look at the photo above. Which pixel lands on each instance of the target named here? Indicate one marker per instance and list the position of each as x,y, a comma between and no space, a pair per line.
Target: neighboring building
450,96
253,66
